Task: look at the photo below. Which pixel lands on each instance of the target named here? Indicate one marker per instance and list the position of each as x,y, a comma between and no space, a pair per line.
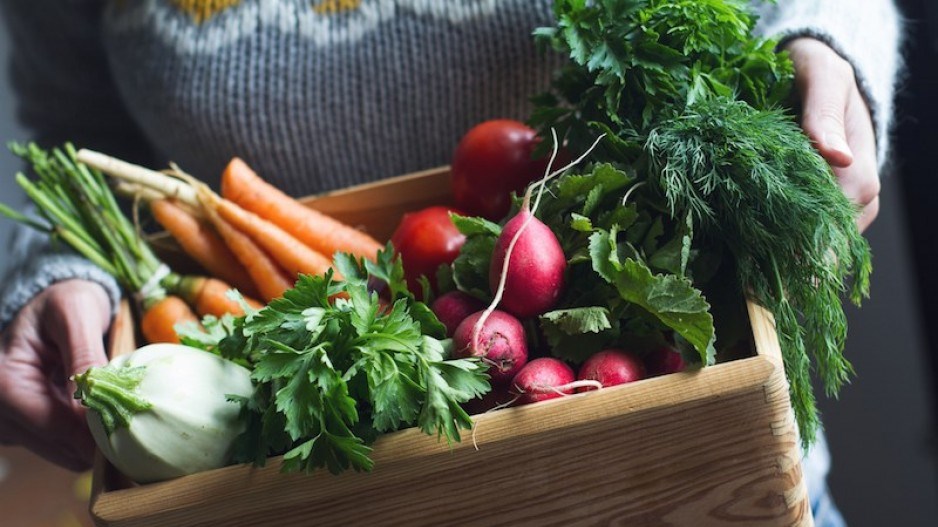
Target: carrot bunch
252,235
77,206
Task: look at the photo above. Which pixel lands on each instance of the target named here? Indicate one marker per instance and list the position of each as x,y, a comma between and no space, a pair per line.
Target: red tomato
491,161
426,239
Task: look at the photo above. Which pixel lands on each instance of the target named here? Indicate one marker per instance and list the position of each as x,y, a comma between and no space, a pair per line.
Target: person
321,95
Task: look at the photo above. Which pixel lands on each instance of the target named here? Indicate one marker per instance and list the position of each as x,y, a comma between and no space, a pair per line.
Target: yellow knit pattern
332,7
202,10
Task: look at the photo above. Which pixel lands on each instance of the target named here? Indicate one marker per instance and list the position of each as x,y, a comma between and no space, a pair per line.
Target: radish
543,379
453,307
528,265
499,341
664,360
534,274
612,367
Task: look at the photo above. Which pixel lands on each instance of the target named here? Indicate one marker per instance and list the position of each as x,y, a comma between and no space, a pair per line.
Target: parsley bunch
691,102
335,367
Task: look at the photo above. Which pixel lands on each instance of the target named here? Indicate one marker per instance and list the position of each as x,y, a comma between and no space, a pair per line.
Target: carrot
291,254
160,318
327,235
209,296
269,278
200,242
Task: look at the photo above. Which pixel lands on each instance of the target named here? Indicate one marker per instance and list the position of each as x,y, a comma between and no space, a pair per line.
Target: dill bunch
751,179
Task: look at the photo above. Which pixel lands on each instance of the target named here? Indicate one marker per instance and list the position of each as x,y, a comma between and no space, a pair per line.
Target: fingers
77,316
62,328
34,411
836,117
825,81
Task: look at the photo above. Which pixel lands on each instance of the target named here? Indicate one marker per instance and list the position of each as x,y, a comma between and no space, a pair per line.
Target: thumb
824,82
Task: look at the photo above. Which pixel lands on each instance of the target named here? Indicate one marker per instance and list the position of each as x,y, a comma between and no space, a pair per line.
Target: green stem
88,252
111,392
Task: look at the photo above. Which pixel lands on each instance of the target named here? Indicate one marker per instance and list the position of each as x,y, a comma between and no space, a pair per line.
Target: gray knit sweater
316,94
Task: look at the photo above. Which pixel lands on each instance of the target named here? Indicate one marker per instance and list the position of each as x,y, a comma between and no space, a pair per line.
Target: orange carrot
291,254
209,296
269,278
160,318
327,235
200,242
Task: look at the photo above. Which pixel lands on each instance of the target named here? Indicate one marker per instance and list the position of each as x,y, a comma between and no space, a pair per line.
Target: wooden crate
716,446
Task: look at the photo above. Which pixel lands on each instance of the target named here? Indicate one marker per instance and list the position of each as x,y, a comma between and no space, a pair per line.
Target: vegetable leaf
334,368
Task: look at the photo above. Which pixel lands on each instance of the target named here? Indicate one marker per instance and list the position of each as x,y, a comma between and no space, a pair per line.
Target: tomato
426,239
491,161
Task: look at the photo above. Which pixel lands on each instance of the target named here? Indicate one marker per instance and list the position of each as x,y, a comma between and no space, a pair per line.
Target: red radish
453,307
664,360
500,342
534,279
543,379
611,367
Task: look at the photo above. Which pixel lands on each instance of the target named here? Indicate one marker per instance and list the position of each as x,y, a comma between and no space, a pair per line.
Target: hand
835,116
57,334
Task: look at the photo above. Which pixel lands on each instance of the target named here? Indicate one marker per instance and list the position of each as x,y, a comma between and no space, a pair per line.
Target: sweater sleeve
59,73
867,34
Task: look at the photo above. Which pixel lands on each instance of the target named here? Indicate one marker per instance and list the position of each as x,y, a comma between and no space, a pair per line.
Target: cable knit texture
321,94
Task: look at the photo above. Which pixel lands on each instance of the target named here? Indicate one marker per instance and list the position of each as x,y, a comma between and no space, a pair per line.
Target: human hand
836,117
57,334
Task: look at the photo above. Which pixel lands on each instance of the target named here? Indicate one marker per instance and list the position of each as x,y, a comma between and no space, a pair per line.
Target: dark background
882,430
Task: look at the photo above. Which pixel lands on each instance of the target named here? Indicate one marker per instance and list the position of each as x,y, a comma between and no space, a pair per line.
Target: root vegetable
270,279
534,273
611,367
163,411
208,296
291,254
322,233
202,244
664,360
543,379
500,342
160,318
454,307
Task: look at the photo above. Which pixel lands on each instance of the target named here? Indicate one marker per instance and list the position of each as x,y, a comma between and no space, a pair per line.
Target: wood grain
715,446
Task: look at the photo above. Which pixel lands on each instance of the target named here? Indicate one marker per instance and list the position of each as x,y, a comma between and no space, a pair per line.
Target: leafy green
689,100
334,367
636,61
471,267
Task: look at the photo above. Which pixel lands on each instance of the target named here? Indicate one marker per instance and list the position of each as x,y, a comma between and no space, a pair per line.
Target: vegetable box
715,446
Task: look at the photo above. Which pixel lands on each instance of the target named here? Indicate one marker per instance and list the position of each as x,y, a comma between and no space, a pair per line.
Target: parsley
334,368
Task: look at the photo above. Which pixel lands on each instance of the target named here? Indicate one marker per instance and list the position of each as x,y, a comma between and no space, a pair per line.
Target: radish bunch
522,267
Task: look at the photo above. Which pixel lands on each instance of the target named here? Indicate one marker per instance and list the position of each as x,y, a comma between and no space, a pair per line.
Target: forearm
866,34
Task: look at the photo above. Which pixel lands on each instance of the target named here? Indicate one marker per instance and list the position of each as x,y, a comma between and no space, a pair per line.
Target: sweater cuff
866,36
43,269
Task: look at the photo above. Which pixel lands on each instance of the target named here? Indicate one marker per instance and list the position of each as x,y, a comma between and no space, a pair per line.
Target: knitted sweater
316,94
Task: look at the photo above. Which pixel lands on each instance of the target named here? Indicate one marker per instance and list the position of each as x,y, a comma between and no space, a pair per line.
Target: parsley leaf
334,368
